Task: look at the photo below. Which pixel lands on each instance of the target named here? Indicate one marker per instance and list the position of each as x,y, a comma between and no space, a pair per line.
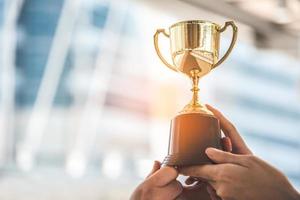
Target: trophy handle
234,36
157,48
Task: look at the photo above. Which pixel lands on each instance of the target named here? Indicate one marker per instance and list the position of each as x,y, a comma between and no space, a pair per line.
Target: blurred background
85,103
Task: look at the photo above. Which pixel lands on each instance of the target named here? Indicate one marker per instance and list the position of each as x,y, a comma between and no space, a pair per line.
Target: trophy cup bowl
194,47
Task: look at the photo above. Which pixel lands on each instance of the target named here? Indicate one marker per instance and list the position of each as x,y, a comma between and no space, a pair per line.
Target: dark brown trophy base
190,135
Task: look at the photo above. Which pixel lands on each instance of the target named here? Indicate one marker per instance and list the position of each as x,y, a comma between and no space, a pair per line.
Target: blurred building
86,104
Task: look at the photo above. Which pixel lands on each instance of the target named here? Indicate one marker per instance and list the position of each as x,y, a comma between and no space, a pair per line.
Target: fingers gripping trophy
194,47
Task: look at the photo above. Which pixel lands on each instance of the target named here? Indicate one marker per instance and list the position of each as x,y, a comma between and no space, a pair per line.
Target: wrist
297,195
294,194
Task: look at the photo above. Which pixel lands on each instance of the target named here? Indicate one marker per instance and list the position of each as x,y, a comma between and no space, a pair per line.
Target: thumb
221,157
156,166
163,176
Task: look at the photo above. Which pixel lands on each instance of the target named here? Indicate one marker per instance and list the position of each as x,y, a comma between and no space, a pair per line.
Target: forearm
294,194
288,191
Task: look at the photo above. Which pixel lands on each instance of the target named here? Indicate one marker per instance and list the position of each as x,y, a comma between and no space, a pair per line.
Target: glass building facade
92,103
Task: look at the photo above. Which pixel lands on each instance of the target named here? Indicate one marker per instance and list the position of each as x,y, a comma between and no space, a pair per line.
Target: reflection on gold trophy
194,47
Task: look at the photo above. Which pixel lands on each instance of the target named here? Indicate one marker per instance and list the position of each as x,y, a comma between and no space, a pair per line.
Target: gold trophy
194,47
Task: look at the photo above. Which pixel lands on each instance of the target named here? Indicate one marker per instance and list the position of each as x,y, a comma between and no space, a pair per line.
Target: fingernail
210,150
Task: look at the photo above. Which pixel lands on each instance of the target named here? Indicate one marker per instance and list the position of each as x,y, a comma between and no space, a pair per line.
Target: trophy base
190,135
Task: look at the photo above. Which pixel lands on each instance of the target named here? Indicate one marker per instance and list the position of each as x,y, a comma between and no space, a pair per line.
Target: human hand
230,131
233,142
201,190
241,176
160,184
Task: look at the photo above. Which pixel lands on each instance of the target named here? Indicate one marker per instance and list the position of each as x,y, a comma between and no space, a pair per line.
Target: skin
239,174
201,190
160,184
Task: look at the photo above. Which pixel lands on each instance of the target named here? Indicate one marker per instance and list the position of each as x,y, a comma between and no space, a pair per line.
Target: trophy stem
195,89
195,106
